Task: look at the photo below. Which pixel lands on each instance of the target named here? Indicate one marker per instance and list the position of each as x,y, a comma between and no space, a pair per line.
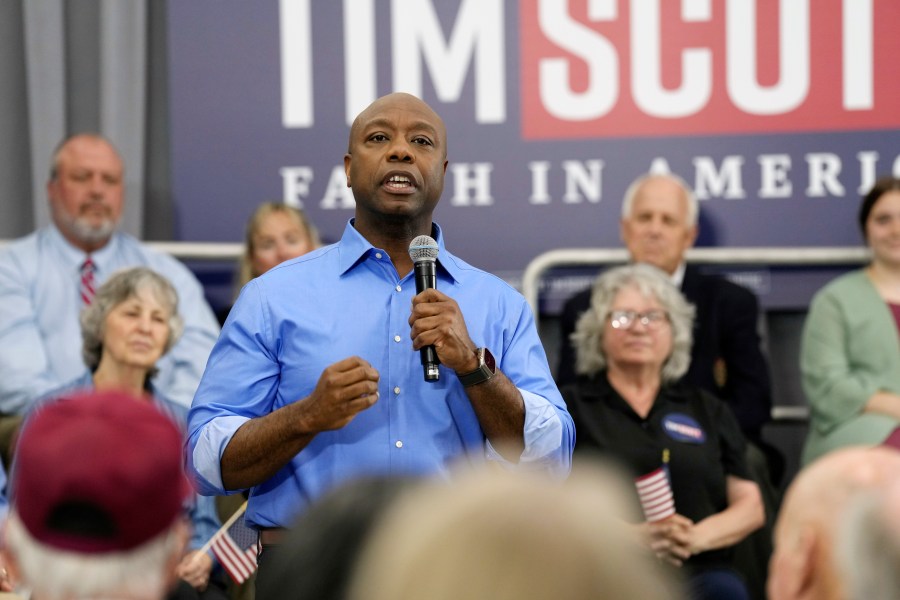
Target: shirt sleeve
731,440
747,388
182,367
204,520
25,372
836,391
239,384
548,431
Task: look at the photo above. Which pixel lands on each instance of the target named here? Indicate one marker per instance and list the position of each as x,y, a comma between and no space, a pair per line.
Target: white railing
191,250
569,257
200,250
573,257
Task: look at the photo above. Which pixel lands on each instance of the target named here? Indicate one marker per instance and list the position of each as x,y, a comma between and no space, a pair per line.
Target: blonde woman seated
131,323
275,233
633,345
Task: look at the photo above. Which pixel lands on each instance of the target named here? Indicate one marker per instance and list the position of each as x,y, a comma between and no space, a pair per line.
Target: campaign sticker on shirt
683,428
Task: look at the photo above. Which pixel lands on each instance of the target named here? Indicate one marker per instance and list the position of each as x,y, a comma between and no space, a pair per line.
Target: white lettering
724,183
337,194
824,169
646,69
554,76
857,55
295,184
478,35
793,58
584,180
296,64
539,193
360,81
475,178
774,182
867,174
659,166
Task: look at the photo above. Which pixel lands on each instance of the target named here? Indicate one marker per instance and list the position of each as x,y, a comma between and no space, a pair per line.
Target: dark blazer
726,357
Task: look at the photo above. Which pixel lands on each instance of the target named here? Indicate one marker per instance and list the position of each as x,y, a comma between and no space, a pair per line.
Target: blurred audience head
275,233
659,220
868,548
98,496
879,215
595,331
502,535
807,534
133,320
86,190
317,557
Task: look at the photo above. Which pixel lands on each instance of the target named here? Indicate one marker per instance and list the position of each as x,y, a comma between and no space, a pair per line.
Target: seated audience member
849,355
131,323
317,557
630,404
505,535
868,546
98,496
659,225
48,276
817,506
275,233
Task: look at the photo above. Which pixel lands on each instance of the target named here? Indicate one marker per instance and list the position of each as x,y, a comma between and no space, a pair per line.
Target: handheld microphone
423,251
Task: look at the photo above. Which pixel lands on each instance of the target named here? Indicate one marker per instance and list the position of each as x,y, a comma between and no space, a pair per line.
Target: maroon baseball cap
107,455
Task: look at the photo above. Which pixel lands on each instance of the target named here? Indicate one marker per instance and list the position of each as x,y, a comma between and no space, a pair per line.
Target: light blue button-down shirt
40,338
344,300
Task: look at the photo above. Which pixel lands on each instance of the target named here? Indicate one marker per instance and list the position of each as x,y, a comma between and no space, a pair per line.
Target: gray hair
693,208
651,282
868,548
56,158
55,574
121,286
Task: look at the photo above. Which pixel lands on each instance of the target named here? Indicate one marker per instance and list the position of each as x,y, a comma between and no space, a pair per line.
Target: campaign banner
780,113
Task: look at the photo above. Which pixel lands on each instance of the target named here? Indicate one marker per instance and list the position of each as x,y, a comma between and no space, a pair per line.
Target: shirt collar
677,277
75,256
354,248
599,389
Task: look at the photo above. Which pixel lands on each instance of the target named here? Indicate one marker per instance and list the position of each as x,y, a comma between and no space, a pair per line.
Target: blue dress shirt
202,512
40,337
344,300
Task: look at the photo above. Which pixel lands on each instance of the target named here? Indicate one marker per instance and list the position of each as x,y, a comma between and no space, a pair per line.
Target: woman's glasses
624,319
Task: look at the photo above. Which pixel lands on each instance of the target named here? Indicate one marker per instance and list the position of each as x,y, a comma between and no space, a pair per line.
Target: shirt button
399,444
399,289
378,255
396,338
397,389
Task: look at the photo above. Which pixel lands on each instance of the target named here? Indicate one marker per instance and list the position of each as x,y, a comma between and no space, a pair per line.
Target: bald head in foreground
808,535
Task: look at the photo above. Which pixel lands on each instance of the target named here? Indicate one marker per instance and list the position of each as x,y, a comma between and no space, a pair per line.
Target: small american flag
236,546
655,494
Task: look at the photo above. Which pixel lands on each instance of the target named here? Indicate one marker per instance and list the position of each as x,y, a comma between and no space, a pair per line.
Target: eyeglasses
624,319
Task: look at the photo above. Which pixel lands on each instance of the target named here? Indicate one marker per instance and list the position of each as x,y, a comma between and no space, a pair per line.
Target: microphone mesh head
423,248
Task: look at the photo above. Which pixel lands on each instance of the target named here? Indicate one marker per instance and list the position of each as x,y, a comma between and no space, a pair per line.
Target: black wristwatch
486,369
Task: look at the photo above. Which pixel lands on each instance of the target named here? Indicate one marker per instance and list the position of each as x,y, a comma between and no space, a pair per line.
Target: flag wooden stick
237,515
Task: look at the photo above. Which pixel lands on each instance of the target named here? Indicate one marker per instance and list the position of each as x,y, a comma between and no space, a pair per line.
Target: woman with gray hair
682,445
130,324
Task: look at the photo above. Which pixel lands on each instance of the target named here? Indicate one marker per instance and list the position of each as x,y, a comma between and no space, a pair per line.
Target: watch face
489,361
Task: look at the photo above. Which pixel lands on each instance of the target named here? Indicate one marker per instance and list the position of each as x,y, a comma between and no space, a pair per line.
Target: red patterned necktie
87,281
